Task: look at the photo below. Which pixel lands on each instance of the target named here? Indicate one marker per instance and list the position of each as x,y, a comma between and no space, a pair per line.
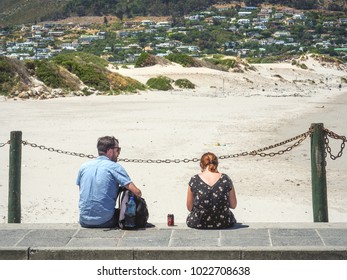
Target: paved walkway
245,241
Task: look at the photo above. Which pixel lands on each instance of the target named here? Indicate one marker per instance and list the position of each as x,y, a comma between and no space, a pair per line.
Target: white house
243,21
278,34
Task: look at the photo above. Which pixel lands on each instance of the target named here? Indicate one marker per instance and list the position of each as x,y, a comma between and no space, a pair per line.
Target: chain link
4,144
42,147
333,135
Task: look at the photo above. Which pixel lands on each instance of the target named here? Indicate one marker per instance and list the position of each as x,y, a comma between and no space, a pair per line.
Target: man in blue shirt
99,182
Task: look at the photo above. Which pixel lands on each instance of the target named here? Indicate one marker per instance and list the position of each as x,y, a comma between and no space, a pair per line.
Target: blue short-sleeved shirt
99,181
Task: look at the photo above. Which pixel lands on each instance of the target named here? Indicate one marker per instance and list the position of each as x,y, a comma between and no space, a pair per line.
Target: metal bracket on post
14,194
318,172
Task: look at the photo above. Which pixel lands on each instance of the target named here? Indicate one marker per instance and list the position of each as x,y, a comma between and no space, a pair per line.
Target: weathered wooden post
14,196
318,172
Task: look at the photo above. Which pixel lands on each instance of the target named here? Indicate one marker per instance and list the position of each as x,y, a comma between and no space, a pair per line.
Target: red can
170,220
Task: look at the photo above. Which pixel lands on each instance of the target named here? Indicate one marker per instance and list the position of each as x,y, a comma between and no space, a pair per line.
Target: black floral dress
211,209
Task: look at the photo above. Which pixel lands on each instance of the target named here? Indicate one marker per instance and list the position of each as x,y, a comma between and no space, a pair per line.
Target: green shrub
89,68
48,73
145,59
303,66
218,56
254,60
160,83
5,73
119,83
184,83
212,60
12,75
220,61
30,66
229,63
183,59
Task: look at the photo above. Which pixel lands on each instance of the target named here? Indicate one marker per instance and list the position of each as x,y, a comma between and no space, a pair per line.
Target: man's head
108,146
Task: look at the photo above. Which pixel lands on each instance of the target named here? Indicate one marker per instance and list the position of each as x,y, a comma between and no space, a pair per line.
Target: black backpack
142,213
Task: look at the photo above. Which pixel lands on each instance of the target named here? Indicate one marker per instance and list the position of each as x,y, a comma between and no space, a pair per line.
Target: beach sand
227,113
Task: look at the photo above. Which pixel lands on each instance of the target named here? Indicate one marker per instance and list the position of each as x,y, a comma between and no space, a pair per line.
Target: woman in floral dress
210,196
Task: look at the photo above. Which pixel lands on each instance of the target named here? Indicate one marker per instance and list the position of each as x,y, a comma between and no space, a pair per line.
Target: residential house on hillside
244,21
278,34
268,29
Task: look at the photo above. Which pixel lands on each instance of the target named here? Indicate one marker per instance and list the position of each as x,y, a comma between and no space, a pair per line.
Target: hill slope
65,75
30,11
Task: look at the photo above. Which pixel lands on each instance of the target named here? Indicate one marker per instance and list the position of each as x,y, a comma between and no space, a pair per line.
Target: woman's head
210,161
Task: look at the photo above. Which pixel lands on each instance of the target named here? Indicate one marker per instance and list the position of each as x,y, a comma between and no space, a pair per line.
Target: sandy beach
227,113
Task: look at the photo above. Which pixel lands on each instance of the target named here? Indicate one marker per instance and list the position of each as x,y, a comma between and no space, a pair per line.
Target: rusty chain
260,152
42,147
333,135
4,144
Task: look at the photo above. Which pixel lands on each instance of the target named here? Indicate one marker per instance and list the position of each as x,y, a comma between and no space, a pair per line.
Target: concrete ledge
80,254
14,253
294,254
171,254
260,241
240,254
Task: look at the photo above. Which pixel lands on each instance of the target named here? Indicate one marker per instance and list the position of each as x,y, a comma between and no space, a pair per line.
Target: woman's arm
232,198
190,199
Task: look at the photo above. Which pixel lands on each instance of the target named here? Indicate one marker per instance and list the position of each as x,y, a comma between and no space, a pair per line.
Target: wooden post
318,172
14,196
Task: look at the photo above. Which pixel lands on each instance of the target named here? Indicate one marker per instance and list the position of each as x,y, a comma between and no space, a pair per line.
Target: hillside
84,74
66,75
14,12
30,11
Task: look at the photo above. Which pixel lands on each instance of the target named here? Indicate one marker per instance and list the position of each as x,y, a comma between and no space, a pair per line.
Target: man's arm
131,187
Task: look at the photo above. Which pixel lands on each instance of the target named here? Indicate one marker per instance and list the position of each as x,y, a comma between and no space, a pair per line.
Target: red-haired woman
210,196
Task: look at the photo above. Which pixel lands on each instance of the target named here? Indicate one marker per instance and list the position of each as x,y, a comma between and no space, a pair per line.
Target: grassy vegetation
165,83
271,59
224,63
90,69
24,11
66,71
119,84
183,59
6,76
52,75
184,83
160,83
145,59
13,76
